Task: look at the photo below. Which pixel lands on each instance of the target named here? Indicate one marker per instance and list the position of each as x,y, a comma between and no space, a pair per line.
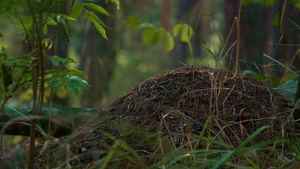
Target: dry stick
282,17
214,92
231,59
190,22
221,131
238,38
281,28
200,5
282,44
281,64
160,139
264,67
241,124
211,94
225,44
228,52
217,32
289,67
193,14
221,86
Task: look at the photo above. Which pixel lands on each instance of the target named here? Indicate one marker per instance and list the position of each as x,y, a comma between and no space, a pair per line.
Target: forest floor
169,112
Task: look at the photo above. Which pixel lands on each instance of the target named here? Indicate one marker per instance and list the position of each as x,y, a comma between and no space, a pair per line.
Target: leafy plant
152,34
32,19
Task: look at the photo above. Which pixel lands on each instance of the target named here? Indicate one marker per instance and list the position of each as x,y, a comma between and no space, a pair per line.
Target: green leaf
297,5
208,121
55,82
27,20
78,84
74,72
55,59
73,89
51,77
177,29
247,72
200,38
76,10
69,18
96,8
168,42
11,61
132,22
268,3
50,21
60,85
52,71
21,32
86,15
116,2
26,85
100,29
78,79
295,24
94,16
62,20
45,30
1,36
186,33
148,34
68,61
246,2
157,36
48,43
276,20
261,145
144,25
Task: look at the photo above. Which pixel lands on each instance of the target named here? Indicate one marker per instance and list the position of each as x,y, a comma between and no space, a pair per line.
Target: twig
238,37
281,64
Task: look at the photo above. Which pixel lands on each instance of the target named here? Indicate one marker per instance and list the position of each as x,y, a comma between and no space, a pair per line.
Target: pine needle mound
169,111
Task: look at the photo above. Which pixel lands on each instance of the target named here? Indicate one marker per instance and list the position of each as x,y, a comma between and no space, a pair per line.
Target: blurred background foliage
116,65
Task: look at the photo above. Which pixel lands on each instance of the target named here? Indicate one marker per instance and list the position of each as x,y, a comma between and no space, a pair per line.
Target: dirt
170,110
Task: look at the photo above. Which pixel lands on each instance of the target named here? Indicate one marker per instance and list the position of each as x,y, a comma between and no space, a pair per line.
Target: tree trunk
166,14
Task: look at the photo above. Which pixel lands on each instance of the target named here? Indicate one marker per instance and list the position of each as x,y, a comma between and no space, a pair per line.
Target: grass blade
234,152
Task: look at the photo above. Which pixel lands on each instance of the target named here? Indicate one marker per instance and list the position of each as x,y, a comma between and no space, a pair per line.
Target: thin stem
37,65
238,38
6,98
